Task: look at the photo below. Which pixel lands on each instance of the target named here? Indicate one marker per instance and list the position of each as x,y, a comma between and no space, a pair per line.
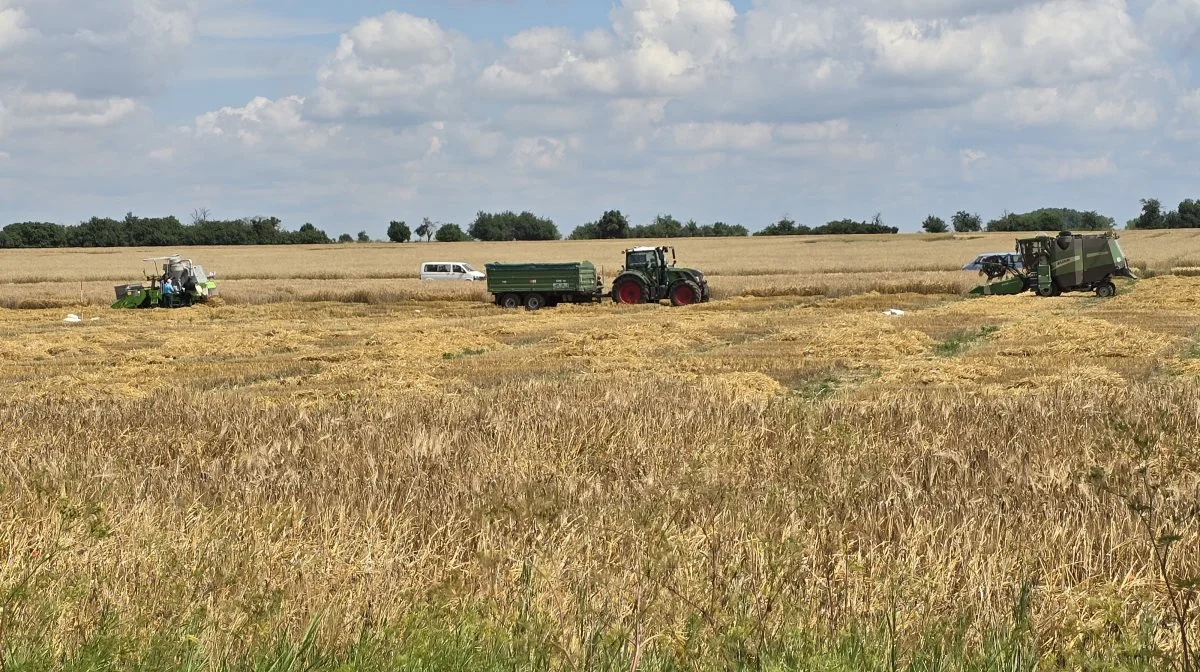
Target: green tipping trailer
538,285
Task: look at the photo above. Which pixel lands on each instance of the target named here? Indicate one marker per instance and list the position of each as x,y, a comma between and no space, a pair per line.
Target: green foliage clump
788,227
1052,219
133,231
509,225
398,232
614,225
1187,216
451,233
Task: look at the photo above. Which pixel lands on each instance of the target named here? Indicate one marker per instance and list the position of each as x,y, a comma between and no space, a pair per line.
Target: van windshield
468,268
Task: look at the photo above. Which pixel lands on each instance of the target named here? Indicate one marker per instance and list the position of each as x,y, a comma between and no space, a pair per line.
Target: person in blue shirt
168,292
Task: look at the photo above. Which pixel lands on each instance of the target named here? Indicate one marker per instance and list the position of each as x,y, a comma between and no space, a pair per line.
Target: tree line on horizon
1043,219
133,231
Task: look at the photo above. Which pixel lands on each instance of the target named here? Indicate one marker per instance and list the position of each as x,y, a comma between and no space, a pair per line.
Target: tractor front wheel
684,293
629,292
535,301
510,301
1106,289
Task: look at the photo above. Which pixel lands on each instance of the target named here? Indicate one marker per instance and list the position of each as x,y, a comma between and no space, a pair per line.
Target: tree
723,230
784,227
1052,219
966,222
309,235
363,237
34,234
199,216
427,229
585,232
509,225
934,224
849,226
1094,221
345,238
1152,216
134,231
612,225
398,232
451,233
1189,214
663,226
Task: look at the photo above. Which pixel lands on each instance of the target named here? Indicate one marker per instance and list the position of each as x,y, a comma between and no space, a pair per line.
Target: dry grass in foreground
779,481
715,527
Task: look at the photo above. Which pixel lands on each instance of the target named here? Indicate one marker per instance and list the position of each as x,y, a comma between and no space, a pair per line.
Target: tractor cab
648,259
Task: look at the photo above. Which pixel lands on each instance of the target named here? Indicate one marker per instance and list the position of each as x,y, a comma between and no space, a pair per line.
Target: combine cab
1052,265
192,286
647,278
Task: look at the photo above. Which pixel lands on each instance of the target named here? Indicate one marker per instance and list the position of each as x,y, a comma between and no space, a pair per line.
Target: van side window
459,269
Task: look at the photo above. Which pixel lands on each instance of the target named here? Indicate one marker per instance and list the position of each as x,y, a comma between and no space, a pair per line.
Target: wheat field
340,467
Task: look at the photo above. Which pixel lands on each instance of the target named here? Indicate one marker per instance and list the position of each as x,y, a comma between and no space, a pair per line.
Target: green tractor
1052,265
648,278
191,285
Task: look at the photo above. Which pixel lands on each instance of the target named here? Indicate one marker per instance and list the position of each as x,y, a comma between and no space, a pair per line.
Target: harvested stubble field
386,273
784,477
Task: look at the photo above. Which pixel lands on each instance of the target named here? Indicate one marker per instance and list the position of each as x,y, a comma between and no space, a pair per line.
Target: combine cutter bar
1014,285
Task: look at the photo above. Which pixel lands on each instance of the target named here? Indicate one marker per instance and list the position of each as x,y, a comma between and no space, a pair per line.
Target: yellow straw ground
368,455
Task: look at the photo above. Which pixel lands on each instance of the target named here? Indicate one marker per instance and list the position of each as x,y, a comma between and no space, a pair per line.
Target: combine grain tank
1052,265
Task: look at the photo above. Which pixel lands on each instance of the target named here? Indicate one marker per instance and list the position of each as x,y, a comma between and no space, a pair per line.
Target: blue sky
351,114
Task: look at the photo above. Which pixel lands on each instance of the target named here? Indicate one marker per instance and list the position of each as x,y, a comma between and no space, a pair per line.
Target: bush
965,222
787,227
451,233
1052,219
933,224
511,226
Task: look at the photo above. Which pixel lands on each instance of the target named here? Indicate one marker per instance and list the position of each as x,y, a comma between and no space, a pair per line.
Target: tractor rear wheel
629,292
535,301
510,301
684,293
1106,289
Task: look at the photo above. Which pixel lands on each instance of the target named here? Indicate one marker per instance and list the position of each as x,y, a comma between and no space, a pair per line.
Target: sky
354,113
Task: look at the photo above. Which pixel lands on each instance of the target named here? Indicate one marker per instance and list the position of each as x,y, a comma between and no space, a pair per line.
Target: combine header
189,285
1052,265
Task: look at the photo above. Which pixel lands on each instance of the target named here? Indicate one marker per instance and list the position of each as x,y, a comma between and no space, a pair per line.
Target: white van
449,270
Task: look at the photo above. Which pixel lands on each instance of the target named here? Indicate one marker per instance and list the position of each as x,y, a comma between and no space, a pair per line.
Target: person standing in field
168,291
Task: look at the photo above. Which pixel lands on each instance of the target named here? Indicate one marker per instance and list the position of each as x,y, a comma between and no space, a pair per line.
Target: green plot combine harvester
192,285
1052,265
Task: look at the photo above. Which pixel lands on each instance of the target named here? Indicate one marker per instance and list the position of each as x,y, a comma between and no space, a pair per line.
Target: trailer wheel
1106,289
629,292
684,293
510,301
534,302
